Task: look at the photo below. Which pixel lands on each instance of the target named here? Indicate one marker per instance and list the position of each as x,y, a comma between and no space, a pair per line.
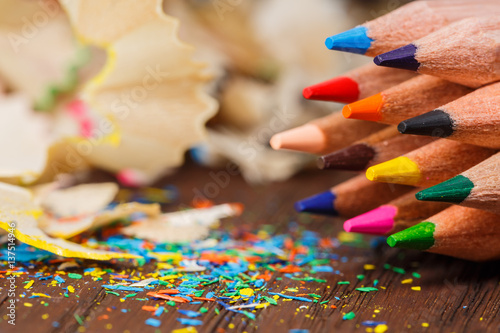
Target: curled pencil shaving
149,85
182,226
19,215
73,210
40,55
26,140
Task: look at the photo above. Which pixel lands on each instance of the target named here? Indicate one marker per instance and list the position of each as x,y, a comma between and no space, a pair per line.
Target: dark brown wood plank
447,285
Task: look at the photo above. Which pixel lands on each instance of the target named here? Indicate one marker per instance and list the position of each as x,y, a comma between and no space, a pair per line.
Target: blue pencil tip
354,41
322,203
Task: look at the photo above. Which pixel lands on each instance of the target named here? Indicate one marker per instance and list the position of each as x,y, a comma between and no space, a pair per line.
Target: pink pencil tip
378,221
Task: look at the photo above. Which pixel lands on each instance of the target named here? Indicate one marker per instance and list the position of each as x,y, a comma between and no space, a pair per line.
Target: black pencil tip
435,123
402,58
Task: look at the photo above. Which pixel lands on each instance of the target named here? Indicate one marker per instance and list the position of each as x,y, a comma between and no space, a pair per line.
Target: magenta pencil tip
378,221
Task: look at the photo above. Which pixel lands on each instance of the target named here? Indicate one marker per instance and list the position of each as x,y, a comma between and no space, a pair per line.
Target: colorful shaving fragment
189,313
191,322
243,269
121,287
153,322
366,289
349,316
291,297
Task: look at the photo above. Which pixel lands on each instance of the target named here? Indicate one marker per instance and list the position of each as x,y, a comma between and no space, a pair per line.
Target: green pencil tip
454,190
419,237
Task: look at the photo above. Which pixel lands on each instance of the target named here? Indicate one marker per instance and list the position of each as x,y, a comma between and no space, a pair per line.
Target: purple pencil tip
402,58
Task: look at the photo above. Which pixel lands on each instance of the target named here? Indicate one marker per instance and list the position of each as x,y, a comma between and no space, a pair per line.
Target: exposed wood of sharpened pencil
478,187
430,164
460,232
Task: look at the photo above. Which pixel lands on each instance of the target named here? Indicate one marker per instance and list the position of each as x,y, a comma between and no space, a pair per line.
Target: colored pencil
408,99
478,187
406,24
357,84
465,52
474,119
374,149
324,135
460,232
395,216
430,164
351,198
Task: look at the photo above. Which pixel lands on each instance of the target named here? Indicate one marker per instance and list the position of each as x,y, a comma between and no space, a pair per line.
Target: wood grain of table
455,296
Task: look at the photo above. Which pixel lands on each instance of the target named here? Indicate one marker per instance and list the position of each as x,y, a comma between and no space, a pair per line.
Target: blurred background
86,86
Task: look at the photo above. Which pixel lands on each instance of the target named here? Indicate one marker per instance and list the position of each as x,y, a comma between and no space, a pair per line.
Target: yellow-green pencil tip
419,237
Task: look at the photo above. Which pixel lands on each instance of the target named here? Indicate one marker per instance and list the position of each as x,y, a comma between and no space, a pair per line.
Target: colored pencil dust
324,135
408,99
356,84
473,119
473,45
478,187
377,148
394,216
429,165
406,24
351,198
459,232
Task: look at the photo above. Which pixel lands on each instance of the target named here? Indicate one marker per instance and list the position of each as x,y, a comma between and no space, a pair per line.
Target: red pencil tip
308,93
340,89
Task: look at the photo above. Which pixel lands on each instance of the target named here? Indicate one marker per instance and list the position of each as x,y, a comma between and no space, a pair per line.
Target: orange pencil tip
365,109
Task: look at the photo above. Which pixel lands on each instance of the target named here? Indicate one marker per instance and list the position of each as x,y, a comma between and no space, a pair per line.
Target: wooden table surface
455,295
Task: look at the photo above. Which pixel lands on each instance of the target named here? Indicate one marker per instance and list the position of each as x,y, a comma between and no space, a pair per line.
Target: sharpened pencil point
454,190
365,109
418,237
402,58
322,203
400,170
435,123
306,138
355,40
341,89
375,222
353,158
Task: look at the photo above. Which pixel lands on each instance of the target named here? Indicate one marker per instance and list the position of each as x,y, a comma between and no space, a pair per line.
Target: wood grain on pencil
357,84
431,164
394,216
324,135
474,119
466,52
351,198
408,99
374,149
407,24
459,232
478,187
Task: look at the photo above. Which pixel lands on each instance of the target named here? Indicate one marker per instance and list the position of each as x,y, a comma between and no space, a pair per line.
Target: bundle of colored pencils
423,123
